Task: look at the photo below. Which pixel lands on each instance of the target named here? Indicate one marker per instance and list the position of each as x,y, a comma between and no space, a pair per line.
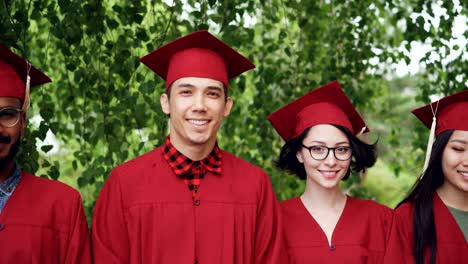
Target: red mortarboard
325,105
448,113
451,112
198,54
14,72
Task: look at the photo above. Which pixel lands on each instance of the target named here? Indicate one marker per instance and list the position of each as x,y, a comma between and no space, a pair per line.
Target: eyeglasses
321,152
9,116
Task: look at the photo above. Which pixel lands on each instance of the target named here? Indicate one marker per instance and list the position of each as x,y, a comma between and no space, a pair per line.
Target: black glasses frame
328,151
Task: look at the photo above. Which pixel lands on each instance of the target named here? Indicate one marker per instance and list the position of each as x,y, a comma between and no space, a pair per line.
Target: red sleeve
108,231
78,250
404,227
394,249
269,244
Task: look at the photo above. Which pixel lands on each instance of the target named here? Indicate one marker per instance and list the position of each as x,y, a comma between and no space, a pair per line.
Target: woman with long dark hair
434,215
324,224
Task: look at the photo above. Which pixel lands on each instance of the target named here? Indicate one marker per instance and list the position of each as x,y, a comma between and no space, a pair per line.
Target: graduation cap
198,54
17,76
448,113
325,105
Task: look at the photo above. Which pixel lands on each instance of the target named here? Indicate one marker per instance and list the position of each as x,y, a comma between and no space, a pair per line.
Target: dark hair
422,195
364,155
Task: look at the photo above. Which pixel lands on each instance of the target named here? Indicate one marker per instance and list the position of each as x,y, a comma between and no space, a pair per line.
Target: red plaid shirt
192,171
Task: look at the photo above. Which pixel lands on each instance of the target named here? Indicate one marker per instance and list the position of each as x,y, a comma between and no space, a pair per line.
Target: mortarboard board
325,105
14,74
448,113
199,54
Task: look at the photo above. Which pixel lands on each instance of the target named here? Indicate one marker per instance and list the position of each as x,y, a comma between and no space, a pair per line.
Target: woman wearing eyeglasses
435,213
324,225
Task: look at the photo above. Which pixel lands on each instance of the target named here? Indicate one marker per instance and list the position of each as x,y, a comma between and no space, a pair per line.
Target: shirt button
332,247
196,202
2,226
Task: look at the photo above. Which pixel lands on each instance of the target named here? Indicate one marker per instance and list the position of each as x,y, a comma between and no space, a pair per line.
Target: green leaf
46,148
212,3
117,8
137,18
197,14
203,26
112,23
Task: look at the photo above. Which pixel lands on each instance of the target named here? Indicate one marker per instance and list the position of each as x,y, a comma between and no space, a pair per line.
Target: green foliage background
103,105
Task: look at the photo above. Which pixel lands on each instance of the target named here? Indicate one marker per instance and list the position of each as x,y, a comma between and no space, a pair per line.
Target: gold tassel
430,142
26,92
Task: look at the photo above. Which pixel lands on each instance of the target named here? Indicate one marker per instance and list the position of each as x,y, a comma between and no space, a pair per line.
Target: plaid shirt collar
180,164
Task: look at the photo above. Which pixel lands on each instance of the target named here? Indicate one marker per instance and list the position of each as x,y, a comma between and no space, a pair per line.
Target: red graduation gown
145,214
363,234
44,222
451,244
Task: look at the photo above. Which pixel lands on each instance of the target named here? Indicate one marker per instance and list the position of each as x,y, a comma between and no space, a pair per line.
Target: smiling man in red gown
188,201
41,221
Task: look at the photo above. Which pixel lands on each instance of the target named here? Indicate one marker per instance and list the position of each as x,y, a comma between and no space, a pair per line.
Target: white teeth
198,122
465,174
